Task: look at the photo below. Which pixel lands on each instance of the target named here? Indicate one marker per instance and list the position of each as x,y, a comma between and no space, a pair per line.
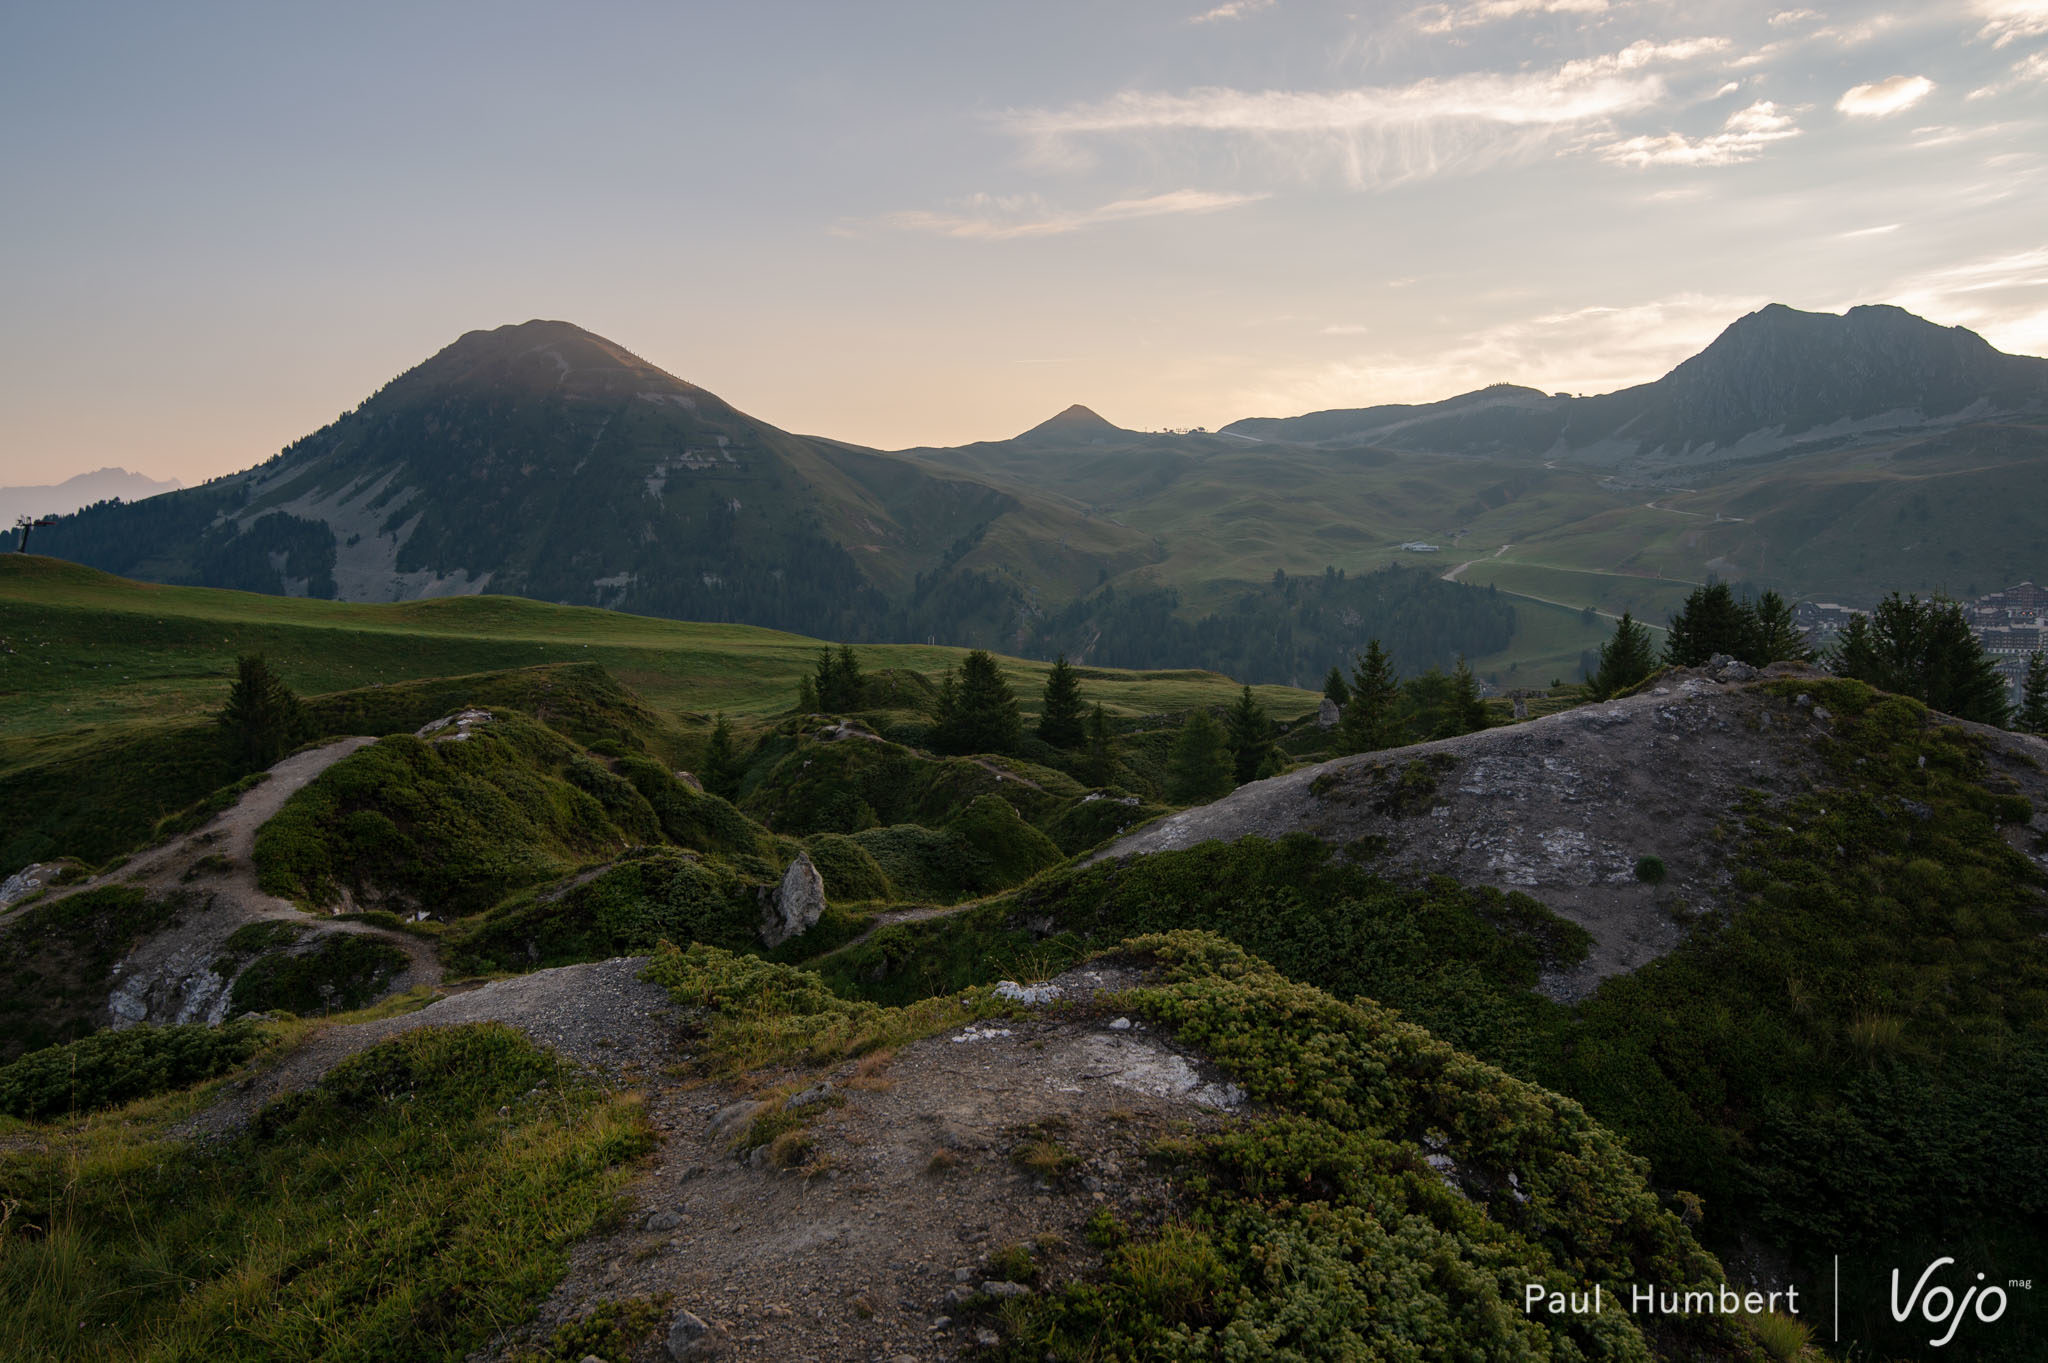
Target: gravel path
602,1015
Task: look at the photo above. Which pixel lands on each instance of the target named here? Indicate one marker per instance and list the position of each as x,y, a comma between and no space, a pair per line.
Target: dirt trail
601,1015
170,976
910,1184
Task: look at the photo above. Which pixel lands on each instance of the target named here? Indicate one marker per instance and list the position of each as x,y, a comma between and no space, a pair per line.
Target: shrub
632,907
345,970
1650,870
850,871
110,1068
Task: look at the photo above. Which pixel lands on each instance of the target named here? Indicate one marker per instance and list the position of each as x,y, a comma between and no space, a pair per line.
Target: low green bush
342,971
631,908
110,1068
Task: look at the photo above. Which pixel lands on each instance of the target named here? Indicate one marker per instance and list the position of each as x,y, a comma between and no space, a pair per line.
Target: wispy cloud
1346,329
1234,9
1474,13
2008,21
1886,230
2027,70
1742,138
1795,16
1884,97
2003,296
988,217
1583,350
1379,134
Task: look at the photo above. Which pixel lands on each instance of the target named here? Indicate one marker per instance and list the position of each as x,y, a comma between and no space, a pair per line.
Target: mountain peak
542,356
1075,423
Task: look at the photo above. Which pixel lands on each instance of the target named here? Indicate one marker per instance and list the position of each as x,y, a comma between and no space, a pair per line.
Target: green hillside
88,650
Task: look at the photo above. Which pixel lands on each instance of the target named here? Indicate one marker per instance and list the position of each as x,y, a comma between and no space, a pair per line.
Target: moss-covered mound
102,798
450,824
982,848
631,908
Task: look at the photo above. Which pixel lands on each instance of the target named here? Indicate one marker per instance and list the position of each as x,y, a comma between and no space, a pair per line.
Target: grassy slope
1953,512
87,653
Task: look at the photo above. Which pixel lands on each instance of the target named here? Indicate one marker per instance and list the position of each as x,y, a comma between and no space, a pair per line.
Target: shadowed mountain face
1774,380
544,461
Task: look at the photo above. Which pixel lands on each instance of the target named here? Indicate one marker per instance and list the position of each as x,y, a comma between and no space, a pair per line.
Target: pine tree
806,694
977,711
263,717
1250,735
720,769
1774,638
1059,722
1711,621
1371,721
1923,649
850,680
836,680
1335,689
1625,659
1199,767
1468,707
2033,711
1099,769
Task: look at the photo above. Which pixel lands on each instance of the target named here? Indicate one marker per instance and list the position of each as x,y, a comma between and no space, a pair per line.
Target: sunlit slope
85,649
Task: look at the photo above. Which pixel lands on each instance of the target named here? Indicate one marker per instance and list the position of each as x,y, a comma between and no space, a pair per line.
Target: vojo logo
1939,1307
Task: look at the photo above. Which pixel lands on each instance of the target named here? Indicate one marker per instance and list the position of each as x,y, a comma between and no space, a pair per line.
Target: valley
1821,456
850,1044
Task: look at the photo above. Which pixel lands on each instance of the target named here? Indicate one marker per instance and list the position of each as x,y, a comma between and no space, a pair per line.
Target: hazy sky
911,223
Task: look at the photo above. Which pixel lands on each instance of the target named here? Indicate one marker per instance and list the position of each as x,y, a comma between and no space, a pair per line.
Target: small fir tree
1625,659
1199,767
2033,711
1468,707
851,681
1711,621
1372,720
977,710
1100,767
720,770
263,717
1250,734
1060,721
1773,636
1334,688
1926,650
836,680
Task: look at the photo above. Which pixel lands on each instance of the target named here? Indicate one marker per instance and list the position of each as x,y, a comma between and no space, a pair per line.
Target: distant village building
2010,625
1418,547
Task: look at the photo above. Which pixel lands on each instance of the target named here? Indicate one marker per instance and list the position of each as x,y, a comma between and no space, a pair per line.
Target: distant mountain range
61,499
1774,381
1837,455
541,460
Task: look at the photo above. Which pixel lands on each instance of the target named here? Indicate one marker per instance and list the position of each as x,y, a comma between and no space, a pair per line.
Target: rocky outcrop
1560,808
796,904
24,883
454,728
1327,714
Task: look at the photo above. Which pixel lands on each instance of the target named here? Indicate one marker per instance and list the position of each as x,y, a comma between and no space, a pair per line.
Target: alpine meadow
1504,816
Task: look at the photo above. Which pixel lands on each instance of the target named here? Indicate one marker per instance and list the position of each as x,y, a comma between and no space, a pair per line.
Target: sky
925,223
